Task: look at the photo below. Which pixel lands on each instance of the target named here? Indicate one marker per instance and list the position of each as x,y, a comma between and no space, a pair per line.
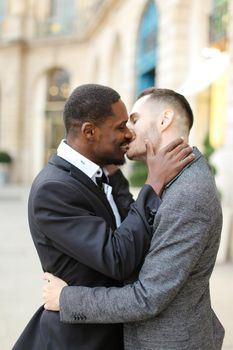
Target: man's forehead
139,105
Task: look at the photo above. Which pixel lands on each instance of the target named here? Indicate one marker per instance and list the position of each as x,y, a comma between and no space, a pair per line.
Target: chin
130,156
133,156
118,161
136,153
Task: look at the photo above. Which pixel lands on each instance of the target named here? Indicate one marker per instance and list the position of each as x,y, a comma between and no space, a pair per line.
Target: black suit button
153,211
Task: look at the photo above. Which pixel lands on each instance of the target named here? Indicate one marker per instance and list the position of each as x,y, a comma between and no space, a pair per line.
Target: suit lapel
85,180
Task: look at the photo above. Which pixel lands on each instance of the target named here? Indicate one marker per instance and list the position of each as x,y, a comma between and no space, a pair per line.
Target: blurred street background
49,47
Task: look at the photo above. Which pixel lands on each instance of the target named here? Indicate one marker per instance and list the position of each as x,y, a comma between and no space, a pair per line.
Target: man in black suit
86,228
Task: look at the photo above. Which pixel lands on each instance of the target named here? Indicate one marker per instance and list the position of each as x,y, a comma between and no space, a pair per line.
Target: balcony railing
55,27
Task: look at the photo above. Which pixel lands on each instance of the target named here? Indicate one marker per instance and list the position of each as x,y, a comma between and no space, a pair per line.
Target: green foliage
138,174
5,157
208,151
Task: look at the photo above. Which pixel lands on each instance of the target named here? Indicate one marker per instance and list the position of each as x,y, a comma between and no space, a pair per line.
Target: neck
171,136
79,145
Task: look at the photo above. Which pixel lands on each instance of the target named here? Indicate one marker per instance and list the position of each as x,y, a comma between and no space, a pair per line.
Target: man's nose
130,129
128,124
128,134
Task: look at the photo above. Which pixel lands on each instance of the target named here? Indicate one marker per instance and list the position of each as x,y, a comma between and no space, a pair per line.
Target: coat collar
197,156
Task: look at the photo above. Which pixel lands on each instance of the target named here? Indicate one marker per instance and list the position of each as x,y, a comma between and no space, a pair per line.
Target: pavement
21,274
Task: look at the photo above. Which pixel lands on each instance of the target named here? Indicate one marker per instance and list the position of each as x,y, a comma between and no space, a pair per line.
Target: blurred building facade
48,47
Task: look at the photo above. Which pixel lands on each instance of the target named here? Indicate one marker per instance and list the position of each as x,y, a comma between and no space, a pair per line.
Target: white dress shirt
91,169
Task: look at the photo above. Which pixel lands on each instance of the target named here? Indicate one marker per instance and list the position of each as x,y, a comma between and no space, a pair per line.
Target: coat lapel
81,177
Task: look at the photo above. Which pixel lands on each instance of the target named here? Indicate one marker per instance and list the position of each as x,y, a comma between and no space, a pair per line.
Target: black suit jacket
74,232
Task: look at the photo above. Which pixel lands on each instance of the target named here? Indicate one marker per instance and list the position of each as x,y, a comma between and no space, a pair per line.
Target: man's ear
166,119
88,130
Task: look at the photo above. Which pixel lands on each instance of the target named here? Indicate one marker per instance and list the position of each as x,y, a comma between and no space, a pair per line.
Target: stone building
48,47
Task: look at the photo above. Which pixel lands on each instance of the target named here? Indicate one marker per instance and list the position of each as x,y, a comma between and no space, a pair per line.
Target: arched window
60,18
58,85
146,53
57,93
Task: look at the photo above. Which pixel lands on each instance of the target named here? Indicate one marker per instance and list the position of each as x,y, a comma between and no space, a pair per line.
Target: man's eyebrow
124,122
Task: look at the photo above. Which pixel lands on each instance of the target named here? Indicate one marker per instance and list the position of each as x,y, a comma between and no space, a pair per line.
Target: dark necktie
101,180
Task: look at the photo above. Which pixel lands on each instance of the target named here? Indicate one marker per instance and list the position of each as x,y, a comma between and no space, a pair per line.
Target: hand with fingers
51,291
164,165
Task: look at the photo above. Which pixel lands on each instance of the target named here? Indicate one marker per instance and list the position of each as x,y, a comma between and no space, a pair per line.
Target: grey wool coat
168,307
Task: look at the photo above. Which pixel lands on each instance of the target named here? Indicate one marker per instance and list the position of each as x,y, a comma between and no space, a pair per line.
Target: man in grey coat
167,306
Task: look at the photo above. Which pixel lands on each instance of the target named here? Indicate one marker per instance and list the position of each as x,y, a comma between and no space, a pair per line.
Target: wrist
157,186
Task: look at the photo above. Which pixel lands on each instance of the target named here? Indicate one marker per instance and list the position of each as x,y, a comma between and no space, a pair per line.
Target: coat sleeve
79,233
179,239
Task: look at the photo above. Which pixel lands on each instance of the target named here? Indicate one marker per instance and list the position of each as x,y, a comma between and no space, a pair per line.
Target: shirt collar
66,152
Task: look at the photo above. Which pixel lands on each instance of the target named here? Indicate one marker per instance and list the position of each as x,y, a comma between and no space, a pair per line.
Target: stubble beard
108,161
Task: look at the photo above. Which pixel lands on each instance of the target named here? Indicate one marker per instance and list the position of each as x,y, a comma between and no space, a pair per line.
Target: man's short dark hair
173,98
89,102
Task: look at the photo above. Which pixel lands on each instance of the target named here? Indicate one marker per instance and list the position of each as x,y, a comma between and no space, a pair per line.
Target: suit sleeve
87,238
179,239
